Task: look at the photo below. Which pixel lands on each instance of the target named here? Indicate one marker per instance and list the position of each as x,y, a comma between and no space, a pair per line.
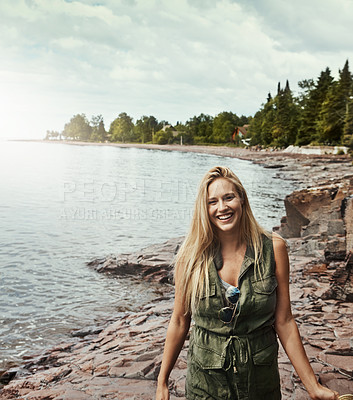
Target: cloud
169,59
314,26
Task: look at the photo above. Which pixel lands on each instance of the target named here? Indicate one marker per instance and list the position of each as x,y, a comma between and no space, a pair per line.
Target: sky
172,59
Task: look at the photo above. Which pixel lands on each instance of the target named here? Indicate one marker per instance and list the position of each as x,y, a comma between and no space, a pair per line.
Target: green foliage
255,129
145,128
183,135
330,122
268,122
78,128
122,129
348,125
200,128
99,133
52,134
276,123
285,125
223,127
163,136
310,106
334,108
321,114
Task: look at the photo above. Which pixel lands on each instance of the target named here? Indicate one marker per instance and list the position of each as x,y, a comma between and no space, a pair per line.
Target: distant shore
251,154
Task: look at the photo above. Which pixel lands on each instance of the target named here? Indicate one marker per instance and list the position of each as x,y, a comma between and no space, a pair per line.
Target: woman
232,279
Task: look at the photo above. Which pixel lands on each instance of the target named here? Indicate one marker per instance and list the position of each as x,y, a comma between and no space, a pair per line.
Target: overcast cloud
170,59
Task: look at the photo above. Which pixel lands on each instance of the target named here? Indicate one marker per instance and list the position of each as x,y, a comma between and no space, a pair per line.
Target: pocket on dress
264,295
266,372
265,286
267,355
206,383
207,305
212,291
207,358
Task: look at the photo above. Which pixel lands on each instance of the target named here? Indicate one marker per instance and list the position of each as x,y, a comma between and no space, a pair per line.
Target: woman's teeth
224,217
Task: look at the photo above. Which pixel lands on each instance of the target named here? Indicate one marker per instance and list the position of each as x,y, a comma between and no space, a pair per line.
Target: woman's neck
230,241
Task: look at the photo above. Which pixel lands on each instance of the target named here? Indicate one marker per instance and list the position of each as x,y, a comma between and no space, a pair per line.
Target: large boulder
322,214
322,220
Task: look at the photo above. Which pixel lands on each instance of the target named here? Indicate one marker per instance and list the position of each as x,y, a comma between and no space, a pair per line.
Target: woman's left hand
322,393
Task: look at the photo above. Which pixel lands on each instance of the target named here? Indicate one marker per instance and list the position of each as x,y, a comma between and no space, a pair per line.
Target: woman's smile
224,205
225,217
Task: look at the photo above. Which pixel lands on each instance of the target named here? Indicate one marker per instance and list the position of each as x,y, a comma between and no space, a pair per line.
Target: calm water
61,205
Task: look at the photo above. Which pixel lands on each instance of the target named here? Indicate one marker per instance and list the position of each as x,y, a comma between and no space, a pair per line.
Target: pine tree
285,125
256,128
99,133
348,126
334,108
267,122
315,95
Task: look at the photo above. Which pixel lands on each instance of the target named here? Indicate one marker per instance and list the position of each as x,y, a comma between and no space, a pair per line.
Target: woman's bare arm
178,329
287,329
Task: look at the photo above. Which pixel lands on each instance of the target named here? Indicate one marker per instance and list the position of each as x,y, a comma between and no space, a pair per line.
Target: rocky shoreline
121,360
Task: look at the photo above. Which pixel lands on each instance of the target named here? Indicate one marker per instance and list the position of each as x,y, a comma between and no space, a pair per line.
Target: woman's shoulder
273,244
280,245
273,238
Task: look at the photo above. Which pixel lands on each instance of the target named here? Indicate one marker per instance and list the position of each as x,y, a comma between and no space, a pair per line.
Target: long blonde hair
195,255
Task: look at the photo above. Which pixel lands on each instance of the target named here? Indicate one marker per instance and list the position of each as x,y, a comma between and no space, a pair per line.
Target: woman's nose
222,205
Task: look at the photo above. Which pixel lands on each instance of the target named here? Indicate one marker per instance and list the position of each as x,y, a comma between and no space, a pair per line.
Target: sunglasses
226,314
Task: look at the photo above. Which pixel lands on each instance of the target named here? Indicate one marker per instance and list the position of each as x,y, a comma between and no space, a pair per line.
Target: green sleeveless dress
236,361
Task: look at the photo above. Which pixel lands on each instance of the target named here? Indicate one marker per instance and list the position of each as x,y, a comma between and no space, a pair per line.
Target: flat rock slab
153,263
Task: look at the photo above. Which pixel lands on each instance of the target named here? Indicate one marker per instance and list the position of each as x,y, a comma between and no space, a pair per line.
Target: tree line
322,113
200,129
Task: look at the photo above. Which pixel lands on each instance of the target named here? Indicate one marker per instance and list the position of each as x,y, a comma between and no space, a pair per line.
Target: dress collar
248,260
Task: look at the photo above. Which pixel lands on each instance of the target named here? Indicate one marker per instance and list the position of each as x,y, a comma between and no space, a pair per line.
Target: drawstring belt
231,347
244,349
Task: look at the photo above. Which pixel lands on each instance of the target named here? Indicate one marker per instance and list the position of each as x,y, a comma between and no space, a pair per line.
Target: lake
62,205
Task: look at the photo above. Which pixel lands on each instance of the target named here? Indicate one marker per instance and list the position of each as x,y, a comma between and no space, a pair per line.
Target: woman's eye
229,197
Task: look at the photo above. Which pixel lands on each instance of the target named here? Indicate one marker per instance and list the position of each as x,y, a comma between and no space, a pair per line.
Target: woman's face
224,205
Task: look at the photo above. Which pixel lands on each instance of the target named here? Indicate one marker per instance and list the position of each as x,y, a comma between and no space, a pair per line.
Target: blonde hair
196,254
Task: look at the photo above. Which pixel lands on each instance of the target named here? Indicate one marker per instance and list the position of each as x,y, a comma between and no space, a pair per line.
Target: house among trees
170,128
240,133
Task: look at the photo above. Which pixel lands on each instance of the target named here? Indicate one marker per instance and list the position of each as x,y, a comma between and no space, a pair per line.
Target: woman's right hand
162,392
323,393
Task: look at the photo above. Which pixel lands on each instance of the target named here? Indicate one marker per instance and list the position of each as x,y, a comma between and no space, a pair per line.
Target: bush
163,137
350,143
314,143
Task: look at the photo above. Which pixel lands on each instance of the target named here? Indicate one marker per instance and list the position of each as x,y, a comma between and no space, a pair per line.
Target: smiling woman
232,279
224,205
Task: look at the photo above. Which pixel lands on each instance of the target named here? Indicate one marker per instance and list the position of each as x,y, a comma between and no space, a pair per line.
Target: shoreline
124,358
251,154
